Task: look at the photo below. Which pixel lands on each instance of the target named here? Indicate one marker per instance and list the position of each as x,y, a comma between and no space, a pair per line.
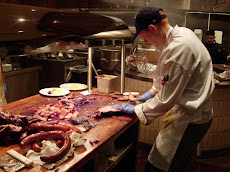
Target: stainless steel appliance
110,57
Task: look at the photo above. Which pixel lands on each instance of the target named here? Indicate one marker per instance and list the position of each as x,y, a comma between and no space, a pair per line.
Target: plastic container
105,83
7,67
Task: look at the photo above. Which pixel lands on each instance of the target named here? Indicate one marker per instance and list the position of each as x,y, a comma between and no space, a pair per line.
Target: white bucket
105,83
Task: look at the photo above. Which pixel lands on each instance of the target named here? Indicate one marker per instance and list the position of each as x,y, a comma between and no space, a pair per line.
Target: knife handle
20,157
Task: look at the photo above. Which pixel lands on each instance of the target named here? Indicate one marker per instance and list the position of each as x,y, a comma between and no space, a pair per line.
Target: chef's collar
169,31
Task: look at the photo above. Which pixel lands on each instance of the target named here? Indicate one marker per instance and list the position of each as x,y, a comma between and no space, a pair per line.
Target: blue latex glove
5,90
127,108
146,96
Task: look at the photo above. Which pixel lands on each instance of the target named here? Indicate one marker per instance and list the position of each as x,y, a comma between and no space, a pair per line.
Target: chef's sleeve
174,80
225,54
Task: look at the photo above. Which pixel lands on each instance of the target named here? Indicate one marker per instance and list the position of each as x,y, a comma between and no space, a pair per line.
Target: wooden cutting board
106,129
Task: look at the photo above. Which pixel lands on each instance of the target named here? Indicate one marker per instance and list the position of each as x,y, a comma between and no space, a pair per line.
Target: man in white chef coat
182,91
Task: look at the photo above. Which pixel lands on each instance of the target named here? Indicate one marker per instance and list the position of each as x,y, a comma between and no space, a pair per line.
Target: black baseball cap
210,32
147,16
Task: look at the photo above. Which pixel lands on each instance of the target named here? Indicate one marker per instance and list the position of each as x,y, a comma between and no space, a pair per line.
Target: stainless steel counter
54,71
149,78
22,71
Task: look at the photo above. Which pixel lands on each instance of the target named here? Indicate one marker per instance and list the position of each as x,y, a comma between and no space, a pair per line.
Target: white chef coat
184,81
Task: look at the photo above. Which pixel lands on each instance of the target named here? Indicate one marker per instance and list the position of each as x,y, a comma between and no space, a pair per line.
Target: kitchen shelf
118,155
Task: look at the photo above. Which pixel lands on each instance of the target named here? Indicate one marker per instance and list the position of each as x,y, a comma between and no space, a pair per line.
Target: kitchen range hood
28,27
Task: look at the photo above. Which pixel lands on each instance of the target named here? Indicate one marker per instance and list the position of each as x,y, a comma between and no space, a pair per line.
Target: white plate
133,93
73,86
216,81
55,91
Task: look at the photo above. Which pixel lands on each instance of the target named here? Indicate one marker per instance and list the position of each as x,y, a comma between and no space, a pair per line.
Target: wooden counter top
106,129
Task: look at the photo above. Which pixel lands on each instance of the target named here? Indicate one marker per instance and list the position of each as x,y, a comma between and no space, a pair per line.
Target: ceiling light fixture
21,19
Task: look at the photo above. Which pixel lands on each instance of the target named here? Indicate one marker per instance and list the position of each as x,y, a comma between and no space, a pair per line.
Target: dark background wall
208,5
175,13
61,3
218,21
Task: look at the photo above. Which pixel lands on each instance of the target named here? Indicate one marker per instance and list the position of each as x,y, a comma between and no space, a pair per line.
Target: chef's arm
225,54
167,97
175,79
148,95
129,109
228,58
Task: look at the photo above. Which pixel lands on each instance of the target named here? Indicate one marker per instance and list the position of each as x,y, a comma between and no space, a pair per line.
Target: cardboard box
105,83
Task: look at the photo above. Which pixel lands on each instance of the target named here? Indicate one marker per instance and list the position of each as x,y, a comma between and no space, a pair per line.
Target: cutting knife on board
13,161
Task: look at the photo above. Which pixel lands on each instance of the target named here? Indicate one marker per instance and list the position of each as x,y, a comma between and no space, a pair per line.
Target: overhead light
33,10
20,31
56,21
21,19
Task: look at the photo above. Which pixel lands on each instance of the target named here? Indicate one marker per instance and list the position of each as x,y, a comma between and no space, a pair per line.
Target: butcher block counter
114,133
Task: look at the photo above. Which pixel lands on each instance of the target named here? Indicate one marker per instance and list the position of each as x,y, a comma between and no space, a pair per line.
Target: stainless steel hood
24,27
137,4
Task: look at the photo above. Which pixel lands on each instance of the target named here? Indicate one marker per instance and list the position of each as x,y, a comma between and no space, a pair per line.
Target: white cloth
50,148
184,81
54,47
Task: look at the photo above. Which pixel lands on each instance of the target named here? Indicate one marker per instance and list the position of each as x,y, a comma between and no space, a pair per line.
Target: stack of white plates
7,67
73,86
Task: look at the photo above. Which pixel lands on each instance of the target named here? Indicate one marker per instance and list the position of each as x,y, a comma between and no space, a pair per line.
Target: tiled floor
220,164
142,155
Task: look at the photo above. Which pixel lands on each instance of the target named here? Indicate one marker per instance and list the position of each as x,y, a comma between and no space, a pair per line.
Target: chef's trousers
185,156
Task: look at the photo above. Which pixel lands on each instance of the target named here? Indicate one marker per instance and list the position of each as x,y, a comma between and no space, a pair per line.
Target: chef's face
150,37
210,39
